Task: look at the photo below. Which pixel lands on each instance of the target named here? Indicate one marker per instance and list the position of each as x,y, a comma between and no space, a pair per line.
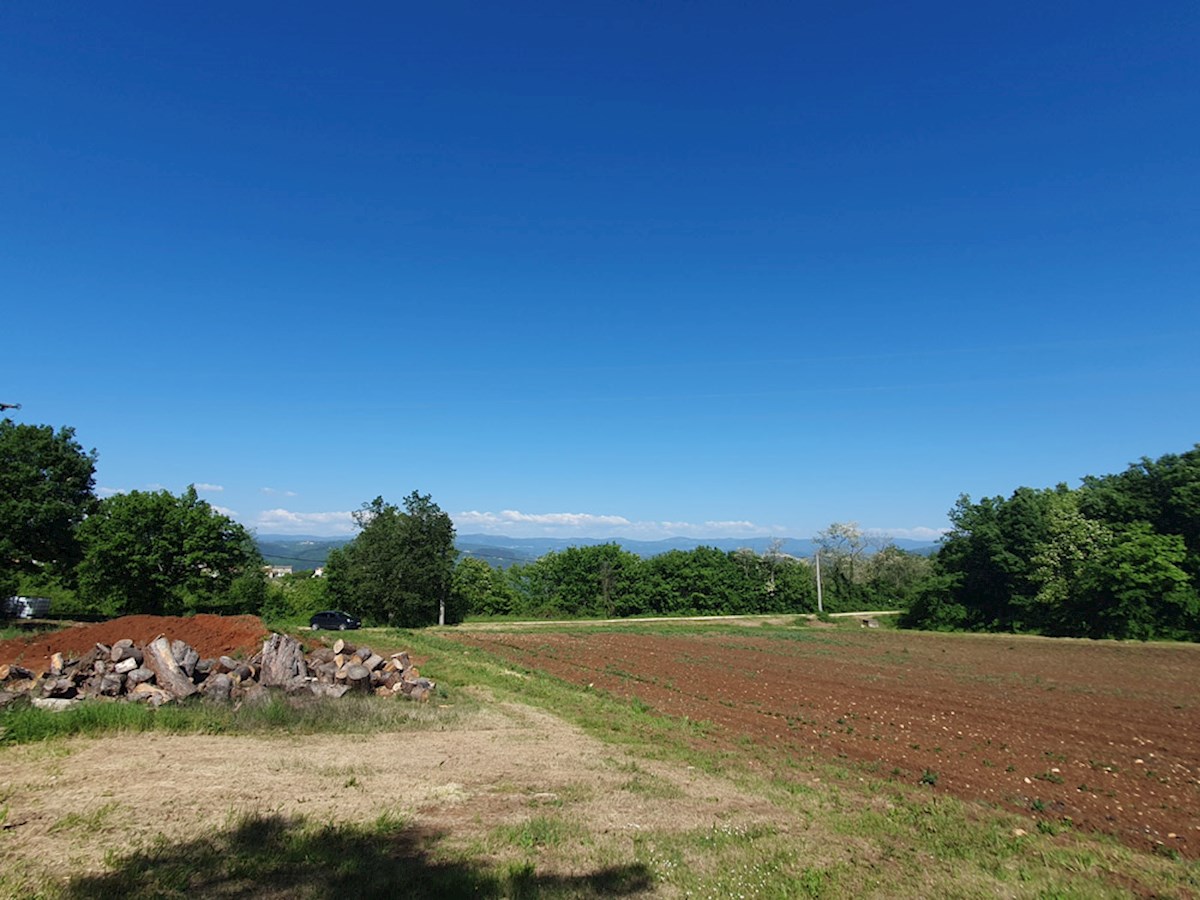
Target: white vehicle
27,607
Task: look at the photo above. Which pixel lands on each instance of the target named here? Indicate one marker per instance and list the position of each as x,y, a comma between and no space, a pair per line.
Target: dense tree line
136,552
605,581
1118,557
155,552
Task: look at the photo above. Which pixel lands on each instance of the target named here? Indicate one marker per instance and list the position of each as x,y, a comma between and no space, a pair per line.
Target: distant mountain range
306,552
300,552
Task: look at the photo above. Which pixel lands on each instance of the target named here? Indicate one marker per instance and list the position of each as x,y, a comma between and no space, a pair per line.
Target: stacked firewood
162,671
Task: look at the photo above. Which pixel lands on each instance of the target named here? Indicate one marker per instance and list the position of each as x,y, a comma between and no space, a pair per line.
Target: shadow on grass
274,856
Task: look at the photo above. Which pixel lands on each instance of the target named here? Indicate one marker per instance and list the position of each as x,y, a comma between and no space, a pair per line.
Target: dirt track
1103,733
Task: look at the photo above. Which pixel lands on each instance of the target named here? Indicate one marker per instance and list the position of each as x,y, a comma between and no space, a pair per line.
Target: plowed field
1104,734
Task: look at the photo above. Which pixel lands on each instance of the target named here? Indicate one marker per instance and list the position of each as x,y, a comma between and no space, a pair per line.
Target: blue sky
602,269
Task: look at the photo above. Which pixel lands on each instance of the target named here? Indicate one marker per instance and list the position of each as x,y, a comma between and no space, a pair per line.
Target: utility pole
820,605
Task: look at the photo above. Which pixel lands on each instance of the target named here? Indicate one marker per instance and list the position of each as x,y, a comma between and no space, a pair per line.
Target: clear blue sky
603,268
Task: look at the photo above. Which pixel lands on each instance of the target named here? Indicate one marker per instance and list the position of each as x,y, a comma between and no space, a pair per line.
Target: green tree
46,482
479,589
1072,542
843,548
155,553
294,597
599,580
1138,588
1119,557
989,556
894,576
703,581
399,569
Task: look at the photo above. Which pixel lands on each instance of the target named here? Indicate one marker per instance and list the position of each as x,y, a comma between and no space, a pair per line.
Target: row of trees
139,552
1117,557
155,552
159,553
606,581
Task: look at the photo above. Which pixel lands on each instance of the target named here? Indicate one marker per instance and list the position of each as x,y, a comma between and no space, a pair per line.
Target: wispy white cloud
507,517
284,521
277,493
515,523
109,491
209,488
224,510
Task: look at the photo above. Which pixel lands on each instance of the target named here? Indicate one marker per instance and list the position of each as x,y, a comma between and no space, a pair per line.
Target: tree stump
358,678
167,673
139,675
185,656
282,661
218,687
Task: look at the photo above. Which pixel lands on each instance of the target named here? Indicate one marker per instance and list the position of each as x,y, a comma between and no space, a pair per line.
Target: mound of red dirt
210,635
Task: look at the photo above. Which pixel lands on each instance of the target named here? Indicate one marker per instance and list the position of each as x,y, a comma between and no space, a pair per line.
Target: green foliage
161,554
46,482
64,602
480,590
704,581
1117,558
605,581
1140,588
935,607
294,597
398,570
600,580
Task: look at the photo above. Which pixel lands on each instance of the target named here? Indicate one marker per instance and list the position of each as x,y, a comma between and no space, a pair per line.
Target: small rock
53,704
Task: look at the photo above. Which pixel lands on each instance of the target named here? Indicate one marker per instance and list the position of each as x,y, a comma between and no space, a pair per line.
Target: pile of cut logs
163,670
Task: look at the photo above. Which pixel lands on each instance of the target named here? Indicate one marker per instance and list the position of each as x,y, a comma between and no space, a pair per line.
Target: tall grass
280,714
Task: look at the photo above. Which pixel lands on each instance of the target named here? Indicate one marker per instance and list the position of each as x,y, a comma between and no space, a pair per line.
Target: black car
332,620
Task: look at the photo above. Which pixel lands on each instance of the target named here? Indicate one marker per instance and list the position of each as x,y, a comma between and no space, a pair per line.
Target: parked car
333,620
27,607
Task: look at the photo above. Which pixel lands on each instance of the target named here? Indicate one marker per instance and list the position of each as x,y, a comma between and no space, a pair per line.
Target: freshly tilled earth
210,635
1103,734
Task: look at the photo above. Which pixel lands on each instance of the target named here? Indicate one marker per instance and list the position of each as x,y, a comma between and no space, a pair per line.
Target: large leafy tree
1164,492
399,569
1139,589
702,581
480,589
156,553
46,481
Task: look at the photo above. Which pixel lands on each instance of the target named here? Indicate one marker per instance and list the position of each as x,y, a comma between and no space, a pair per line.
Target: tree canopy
156,553
399,568
46,482
1119,557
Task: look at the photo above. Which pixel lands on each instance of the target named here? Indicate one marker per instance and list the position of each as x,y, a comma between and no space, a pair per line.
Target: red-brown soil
210,635
1106,734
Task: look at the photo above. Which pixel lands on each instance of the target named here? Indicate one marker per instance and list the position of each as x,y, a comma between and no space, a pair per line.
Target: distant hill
306,553
302,553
